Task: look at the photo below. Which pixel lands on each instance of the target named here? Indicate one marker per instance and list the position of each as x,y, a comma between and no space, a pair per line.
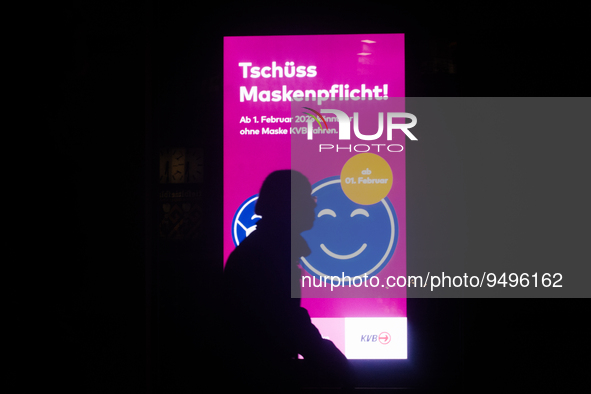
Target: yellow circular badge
366,178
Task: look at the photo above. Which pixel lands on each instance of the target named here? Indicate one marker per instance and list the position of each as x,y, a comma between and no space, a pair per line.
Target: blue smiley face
244,221
349,239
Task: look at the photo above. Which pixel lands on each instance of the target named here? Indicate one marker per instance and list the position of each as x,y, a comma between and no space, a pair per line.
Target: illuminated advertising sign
331,107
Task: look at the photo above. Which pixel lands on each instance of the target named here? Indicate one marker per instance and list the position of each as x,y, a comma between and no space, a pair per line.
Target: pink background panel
248,159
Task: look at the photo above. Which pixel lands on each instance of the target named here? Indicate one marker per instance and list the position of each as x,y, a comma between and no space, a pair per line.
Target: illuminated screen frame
260,76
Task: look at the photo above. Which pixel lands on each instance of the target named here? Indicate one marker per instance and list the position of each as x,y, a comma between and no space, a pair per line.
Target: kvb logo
345,129
384,338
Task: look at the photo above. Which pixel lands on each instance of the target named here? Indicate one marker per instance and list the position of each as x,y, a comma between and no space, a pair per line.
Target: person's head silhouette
285,197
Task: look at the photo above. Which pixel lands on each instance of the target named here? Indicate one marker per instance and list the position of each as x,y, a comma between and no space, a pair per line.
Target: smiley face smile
340,256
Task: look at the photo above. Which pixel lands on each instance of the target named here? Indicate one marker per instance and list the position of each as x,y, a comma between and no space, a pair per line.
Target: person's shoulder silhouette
264,320
258,274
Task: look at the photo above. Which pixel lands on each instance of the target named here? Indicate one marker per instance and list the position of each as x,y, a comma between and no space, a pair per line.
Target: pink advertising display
327,106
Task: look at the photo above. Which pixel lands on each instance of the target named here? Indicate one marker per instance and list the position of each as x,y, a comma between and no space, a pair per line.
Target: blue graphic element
244,221
347,237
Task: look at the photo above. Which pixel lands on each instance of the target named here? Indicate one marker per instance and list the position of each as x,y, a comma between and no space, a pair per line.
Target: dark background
123,310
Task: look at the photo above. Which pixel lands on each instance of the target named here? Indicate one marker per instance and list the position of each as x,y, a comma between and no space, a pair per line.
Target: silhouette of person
266,326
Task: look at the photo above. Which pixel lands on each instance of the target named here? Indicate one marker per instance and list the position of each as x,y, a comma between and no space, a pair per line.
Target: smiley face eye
327,212
360,211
